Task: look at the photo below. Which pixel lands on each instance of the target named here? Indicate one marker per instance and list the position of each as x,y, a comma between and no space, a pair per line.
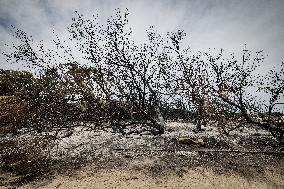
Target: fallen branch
201,150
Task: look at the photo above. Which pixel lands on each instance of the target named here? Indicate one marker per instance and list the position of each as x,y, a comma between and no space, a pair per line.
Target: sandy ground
198,178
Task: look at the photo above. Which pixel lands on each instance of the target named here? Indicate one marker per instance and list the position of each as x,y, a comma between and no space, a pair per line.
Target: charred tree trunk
161,125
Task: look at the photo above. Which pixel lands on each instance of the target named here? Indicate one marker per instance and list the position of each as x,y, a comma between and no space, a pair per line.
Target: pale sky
227,24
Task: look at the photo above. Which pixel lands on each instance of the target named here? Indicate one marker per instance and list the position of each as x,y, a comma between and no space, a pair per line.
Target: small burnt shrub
26,156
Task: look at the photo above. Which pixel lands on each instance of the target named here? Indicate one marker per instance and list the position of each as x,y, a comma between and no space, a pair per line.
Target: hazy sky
208,23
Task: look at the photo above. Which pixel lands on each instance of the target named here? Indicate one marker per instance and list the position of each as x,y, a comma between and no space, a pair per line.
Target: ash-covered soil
248,156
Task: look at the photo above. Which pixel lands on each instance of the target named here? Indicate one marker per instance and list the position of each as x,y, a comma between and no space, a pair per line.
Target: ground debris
175,152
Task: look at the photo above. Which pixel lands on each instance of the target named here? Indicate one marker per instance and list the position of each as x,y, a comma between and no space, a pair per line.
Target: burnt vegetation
120,84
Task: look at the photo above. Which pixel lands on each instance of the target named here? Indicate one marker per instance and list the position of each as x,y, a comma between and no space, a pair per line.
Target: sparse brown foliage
13,114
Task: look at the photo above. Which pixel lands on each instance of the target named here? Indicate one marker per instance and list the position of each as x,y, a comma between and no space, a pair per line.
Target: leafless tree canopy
120,83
